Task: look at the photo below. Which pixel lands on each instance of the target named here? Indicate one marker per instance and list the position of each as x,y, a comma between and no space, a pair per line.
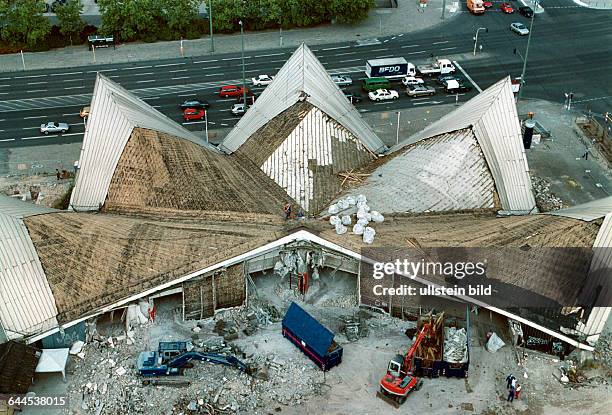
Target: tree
128,19
350,11
24,21
69,16
179,15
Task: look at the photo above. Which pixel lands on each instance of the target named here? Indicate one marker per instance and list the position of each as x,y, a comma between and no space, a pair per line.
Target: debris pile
603,349
545,200
354,327
455,345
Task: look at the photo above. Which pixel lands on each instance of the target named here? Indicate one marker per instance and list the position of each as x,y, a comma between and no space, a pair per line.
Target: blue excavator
171,358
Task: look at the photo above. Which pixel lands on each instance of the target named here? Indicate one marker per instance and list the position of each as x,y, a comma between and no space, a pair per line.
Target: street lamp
520,92
243,77
476,37
212,41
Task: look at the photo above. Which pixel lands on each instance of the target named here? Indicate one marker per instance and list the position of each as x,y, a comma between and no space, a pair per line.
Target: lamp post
243,77
476,37
206,123
212,40
520,92
398,127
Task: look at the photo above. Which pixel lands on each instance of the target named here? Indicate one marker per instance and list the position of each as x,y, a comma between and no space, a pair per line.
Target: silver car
342,80
238,109
419,90
519,28
54,127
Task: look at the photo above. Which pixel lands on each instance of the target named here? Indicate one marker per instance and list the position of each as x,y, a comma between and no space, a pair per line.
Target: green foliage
350,11
69,17
24,22
180,15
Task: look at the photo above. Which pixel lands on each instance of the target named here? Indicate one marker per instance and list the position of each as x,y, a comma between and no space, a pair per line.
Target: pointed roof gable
302,77
587,211
115,112
494,120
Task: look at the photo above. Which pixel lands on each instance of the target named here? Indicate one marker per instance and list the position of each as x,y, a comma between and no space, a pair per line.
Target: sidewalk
381,22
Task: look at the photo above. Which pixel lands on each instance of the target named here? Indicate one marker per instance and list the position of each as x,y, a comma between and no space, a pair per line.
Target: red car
506,8
487,4
193,114
232,91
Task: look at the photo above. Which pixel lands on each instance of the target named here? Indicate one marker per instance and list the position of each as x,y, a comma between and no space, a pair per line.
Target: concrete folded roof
493,118
301,78
587,211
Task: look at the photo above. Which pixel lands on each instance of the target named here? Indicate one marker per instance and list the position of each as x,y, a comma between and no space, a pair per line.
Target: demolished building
155,211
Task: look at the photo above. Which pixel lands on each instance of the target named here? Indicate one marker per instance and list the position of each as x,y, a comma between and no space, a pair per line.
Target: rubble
545,200
455,345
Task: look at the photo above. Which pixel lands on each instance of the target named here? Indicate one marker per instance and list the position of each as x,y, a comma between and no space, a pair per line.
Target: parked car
54,127
194,102
342,80
453,86
412,80
261,80
506,8
526,11
419,90
238,109
519,28
487,4
85,112
354,98
232,91
251,98
443,78
383,95
191,114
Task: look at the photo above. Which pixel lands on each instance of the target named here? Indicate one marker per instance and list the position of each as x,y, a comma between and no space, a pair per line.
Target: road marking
145,73
157,106
427,102
102,70
383,102
4,79
193,122
233,59
439,43
337,47
454,47
223,124
178,70
32,118
142,82
379,50
5,86
345,53
137,67
71,80
67,73
229,119
180,77
170,64
212,67
74,87
7,139
29,76
30,128
151,98
214,74
37,83
385,41
393,38
414,53
37,90
214,60
185,95
469,78
276,61
350,60
269,54
409,46
71,113
400,35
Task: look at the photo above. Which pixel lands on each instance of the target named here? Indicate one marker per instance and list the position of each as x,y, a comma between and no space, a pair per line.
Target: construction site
269,274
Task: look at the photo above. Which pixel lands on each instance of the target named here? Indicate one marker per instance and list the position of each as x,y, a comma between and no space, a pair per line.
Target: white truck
390,68
439,67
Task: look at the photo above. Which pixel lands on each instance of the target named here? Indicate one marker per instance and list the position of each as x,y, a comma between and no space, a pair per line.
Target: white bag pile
364,216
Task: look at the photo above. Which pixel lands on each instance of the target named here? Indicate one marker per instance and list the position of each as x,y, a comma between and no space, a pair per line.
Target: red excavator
399,380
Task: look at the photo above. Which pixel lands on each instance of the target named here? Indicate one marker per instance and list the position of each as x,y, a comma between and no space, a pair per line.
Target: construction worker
517,392
287,210
509,379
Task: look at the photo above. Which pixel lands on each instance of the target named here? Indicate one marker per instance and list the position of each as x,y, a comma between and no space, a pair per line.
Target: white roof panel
493,117
114,114
587,211
302,77
27,304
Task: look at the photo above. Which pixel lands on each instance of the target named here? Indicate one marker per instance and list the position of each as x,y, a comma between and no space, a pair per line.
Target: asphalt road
571,50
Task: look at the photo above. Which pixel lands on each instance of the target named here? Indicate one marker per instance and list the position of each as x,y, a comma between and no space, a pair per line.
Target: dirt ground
105,381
